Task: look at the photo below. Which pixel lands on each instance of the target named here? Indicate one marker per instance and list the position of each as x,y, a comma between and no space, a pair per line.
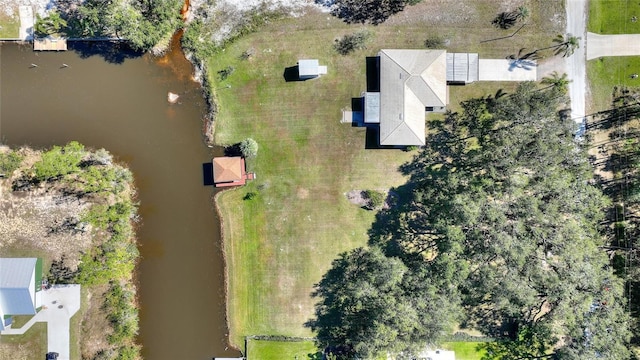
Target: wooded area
497,230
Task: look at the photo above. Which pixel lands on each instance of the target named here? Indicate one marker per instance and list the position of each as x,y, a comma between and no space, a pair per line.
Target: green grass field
465,350
281,350
9,26
606,73
31,345
611,17
280,243
614,16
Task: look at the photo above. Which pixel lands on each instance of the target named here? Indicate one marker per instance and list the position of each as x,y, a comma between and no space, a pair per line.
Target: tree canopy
367,11
143,23
500,210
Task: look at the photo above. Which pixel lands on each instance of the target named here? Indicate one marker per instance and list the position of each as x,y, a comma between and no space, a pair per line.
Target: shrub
249,148
250,195
367,11
352,42
53,24
226,72
434,42
59,161
9,162
375,199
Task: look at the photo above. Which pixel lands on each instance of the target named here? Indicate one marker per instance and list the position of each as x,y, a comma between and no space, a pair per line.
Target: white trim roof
410,81
17,286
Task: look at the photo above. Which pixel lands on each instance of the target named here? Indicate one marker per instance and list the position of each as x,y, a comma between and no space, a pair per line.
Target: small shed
230,171
310,68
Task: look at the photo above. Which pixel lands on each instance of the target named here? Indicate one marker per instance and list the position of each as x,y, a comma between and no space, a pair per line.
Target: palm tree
566,44
522,13
557,82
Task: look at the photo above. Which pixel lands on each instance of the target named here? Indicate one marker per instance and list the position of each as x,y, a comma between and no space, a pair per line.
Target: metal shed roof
17,290
462,67
310,67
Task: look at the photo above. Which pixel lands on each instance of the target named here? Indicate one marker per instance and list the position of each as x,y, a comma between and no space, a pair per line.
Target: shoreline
223,248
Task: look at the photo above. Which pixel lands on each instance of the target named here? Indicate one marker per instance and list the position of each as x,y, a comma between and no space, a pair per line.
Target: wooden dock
50,44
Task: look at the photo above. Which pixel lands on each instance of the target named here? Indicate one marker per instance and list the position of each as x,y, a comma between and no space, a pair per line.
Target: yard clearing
278,350
614,17
603,74
280,243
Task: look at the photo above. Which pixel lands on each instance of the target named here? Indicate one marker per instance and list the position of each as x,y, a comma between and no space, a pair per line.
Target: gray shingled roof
410,81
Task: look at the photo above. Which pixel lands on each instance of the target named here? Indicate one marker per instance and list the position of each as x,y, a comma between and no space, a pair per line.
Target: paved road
612,45
575,64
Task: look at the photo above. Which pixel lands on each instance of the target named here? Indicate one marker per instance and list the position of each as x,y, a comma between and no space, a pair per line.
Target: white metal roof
17,288
309,67
410,81
372,107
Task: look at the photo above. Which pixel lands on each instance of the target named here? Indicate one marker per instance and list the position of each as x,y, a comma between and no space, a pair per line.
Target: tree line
142,23
497,230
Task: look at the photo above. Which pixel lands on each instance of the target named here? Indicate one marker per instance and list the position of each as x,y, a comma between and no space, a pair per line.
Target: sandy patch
41,7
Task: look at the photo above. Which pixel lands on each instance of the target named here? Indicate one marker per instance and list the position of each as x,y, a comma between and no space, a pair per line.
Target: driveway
506,70
612,45
59,304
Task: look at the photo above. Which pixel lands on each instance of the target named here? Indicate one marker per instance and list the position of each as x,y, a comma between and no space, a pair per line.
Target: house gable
410,81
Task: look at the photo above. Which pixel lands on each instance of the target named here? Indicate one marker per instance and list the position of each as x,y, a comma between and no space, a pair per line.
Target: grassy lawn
31,345
9,25
606,73
281,242
281,350
465,350
613,16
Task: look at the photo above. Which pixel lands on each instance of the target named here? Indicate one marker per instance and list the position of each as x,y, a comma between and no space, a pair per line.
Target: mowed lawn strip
465,350
278,350
614,16
281,242
10,24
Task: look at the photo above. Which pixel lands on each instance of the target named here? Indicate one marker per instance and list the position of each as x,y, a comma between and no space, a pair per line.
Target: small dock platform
50,44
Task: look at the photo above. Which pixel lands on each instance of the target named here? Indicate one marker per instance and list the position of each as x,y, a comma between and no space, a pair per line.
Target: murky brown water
123,108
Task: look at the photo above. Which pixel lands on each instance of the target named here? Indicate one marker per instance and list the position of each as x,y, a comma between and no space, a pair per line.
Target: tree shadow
114,52
233,150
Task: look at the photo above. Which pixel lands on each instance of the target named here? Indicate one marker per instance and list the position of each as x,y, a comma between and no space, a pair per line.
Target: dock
50,44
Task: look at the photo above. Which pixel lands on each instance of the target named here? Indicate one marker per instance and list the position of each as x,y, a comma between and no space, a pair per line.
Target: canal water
110,99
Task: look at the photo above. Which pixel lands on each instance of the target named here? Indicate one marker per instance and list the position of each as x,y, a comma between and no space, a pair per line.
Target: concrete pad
612,45
507,70
26,22
59,304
